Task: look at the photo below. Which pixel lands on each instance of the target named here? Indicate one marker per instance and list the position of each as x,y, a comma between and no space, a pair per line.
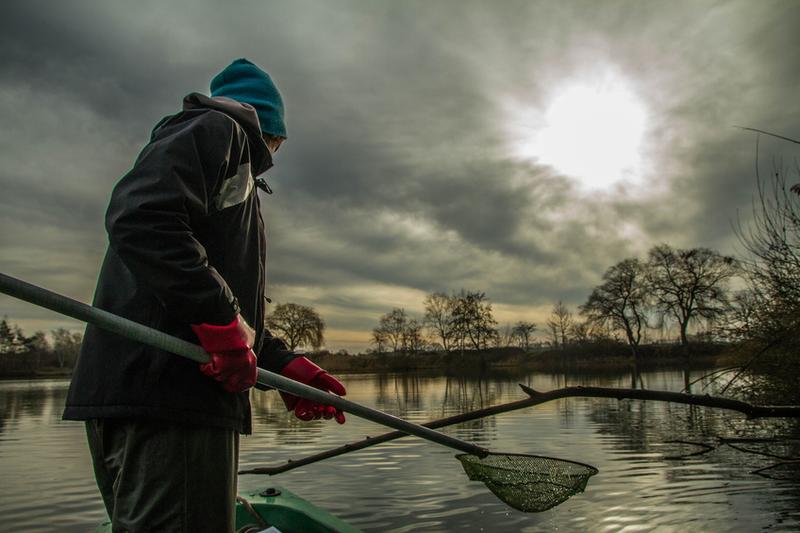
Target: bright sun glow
592,134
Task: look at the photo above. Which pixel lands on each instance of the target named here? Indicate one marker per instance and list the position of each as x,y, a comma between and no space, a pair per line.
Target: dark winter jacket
186,246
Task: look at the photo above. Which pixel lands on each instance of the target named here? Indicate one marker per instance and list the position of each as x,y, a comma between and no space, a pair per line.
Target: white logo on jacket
235,189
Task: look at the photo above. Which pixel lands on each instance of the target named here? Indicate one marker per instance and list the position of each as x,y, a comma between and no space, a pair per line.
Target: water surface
412,485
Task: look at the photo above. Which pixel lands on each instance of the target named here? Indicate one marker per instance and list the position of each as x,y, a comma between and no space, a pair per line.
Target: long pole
158,339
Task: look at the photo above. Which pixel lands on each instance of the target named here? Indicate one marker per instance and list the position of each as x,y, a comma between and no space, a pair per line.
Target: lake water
412,485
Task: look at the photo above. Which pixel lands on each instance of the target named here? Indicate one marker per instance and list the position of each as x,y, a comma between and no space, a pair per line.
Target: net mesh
528,483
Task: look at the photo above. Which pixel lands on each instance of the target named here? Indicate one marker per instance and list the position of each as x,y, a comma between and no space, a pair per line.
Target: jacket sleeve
274,355
155,212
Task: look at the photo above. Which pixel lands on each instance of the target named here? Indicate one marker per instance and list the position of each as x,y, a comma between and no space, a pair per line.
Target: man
186,255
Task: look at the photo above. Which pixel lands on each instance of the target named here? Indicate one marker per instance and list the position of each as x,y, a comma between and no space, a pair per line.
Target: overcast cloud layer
399,176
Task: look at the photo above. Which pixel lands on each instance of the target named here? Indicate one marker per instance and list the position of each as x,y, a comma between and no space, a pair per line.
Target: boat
278,510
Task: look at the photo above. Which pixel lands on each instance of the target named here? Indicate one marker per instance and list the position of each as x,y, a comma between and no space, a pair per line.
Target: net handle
158,339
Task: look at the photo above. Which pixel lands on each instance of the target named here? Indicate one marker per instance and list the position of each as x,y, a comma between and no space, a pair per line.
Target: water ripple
412,485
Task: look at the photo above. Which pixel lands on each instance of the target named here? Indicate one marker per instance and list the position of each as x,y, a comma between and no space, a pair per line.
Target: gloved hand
304,371
232,359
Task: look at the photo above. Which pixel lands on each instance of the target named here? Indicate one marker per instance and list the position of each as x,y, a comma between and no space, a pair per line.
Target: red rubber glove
231,349
304,371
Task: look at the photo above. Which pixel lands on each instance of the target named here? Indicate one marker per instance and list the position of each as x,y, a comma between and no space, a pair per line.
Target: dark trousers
165,477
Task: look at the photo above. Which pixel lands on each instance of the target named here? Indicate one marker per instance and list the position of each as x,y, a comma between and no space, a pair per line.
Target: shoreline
611,359
60,373
594,359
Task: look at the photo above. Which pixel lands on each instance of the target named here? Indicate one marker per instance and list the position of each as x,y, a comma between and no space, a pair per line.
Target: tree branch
752,411
536,398
770,134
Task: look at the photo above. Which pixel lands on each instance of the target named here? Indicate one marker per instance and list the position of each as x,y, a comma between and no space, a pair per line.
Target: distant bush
21,355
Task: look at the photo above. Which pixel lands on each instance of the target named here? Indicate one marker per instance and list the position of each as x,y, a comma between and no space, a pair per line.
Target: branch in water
785,460
536,398
752,411
762,471
706,448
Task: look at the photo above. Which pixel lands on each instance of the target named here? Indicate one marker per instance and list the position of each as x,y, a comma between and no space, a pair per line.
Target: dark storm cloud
398,177
72,51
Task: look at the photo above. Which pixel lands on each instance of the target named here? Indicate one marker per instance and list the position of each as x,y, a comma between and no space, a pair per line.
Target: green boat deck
281,509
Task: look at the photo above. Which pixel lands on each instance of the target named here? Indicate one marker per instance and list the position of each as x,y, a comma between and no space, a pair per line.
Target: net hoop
527,482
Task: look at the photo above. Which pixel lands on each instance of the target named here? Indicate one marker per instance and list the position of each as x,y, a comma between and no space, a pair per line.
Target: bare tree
66,346
580,331
439,318
37,347
689,284
602,333
740,319
770,317
473,320
522,332
379,339
392,327
559,324
12,340
772,238
504,337
413,340
621,301
298,325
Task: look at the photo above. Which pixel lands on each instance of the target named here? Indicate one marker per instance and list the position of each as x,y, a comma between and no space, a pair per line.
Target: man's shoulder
196,122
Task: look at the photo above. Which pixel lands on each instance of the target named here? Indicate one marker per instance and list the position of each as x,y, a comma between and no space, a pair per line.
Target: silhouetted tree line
26,355
452,322
671,287
298,325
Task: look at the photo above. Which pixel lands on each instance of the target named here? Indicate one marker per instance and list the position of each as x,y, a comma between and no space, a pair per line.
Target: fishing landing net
528,483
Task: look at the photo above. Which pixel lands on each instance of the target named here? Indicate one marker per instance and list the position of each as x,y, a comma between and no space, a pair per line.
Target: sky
516,148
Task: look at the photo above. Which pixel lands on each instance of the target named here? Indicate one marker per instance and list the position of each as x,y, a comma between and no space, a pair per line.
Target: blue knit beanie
245,82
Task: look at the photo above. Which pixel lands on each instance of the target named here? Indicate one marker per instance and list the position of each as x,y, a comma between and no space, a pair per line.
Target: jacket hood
244,115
